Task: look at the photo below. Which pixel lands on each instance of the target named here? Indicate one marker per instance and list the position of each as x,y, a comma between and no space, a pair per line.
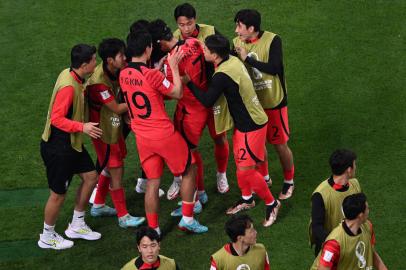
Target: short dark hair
81,53
137,43
237,225
341,160
249,17
186,10
148,232
110,47
139,25
353,205
218,44
159,30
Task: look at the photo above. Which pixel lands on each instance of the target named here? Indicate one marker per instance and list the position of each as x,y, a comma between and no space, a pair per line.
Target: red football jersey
144,91
192,64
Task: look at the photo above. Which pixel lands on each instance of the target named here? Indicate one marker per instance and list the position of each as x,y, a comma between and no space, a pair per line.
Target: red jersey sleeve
100,93
330,253
267,266
63,101
213,265
158,81
373,240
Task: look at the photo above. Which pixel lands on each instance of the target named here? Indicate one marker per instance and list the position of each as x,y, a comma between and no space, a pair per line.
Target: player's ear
251,29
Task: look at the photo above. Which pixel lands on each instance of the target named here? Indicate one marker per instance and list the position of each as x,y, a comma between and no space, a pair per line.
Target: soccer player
237,105
243,252
185,16
63,152
329,195
351,245
190,115
157,141
149,245
103,90
261,52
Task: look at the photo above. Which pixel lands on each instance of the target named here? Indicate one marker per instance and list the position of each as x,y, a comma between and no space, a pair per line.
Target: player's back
144,91
193,64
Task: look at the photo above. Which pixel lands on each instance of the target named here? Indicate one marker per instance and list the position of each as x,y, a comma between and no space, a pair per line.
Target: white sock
188,220
266,177
177,178
222,174
271,203
78,218
247,197
96,205
48,229
289,181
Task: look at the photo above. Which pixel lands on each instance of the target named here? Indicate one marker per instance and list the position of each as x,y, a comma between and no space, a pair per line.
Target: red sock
103,187
199,176
258,185
263,168
152,219
118,198
289,174
187,209
243,183
221,153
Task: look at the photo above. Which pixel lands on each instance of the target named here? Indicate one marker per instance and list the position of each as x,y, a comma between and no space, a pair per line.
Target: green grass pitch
345,71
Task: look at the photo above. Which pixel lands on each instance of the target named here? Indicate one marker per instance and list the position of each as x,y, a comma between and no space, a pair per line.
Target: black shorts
62,162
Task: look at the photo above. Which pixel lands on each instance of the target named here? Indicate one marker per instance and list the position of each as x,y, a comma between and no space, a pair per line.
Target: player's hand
161,63
175,58
92,130
185,79
242,52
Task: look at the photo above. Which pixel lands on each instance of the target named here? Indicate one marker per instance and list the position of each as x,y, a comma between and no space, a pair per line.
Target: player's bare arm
378,263
118,108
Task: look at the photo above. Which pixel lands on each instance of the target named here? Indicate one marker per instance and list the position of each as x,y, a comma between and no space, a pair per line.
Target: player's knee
56,199
90,177
220,140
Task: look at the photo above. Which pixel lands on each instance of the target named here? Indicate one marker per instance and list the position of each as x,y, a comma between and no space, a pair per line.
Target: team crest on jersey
243,267
360,253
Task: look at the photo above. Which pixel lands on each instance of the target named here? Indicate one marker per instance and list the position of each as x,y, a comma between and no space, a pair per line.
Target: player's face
243,32
186,25
208,56
89,67
250,237
119,61
149,250
354,166
366,213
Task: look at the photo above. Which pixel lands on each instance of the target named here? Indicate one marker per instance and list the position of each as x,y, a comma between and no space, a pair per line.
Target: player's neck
240,248
172,43
340,179
142,59
111,69
80,72
353,225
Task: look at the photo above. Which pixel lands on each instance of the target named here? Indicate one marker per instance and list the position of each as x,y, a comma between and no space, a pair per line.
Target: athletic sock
221,153
199,175
152,219
78,218
243,183
118,198
187,210
289,174
48,229
258,185
102,189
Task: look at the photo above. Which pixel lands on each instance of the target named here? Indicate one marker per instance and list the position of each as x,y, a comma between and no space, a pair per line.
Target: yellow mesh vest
236,70
204,31
356,252
253,260
333,201
268,87
66,79
165,264
110,122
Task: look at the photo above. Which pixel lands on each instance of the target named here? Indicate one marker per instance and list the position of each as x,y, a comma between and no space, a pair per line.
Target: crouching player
102,91
157,141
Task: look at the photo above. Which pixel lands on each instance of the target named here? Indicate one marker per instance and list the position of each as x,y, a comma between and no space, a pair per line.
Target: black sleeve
177,266
219,83
275,60
216,32
209,71
318,213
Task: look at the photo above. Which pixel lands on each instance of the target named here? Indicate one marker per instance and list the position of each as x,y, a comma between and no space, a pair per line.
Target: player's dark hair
218,44
237,225
139,25
341,160
137,43
186,10
148,232
110,47
249,17
353,205
159,30
80,54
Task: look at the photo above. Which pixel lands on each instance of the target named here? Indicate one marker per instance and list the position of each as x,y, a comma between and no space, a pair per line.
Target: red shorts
249,147
172,150
110,155
211,127
190,123
278,126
